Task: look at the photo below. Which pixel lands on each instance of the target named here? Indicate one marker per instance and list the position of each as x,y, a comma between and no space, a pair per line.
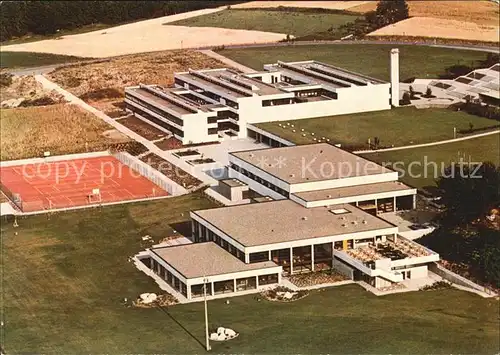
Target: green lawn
368,59
296,23
65,276
479,149
398,127
31,59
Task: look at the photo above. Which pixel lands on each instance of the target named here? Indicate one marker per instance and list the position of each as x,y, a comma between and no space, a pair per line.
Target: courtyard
60,296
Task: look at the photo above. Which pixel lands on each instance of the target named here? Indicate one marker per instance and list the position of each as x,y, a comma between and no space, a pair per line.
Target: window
268,279
211,119
258,257
212,131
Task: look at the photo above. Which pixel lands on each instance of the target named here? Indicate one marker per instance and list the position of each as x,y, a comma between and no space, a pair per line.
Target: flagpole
206,313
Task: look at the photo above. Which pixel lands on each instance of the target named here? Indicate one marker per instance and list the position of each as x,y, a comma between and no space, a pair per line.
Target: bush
100,94
406,99
5,79
438,285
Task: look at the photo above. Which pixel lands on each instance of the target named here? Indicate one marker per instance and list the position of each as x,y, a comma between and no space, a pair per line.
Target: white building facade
210,105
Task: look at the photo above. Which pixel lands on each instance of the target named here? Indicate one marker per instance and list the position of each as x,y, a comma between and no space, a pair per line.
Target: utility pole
206,313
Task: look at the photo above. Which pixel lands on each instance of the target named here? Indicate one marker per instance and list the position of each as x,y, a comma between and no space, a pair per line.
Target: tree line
19,18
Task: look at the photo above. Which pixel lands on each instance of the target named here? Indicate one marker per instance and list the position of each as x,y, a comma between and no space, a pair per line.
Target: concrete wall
343,268
456,279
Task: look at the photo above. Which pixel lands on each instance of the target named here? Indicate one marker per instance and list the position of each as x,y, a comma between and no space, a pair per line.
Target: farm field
415,61
64,283
91,80
59,129
395,127
477,150
481,12
440,28
331,5
296,23
131,38
28,59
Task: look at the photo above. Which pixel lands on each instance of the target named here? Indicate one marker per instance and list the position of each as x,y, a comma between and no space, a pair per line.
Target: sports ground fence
45,204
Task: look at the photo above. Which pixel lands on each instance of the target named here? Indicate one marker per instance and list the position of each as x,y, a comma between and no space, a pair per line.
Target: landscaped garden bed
187,153
316,278
171,171
284,294
151,300
142,128
201,161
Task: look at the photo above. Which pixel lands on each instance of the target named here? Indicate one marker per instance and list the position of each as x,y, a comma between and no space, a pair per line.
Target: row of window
208,94
157,110
203,234
259,180
169,277
155,120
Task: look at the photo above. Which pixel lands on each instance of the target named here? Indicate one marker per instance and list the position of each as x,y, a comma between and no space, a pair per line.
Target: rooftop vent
304,218
364,221
344,225
328,196
292,175
354,222
340,211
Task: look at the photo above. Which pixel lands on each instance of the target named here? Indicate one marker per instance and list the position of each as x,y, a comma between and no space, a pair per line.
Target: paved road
48,68
429,144
227,61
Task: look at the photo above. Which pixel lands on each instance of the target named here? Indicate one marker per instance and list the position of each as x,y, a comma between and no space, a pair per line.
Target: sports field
64,282
296,23
395,127
370,59
418,166
70,183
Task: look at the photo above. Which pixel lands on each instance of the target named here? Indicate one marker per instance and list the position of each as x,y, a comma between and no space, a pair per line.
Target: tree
428,92
391,11
469,191
412,93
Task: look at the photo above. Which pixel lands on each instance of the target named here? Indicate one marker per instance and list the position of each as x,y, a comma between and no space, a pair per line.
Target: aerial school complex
313,221
215,104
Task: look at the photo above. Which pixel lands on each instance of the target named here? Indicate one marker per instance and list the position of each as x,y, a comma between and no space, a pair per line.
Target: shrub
406,99
438,285
5,79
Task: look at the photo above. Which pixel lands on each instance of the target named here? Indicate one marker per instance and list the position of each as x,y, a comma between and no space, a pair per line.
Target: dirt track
145,36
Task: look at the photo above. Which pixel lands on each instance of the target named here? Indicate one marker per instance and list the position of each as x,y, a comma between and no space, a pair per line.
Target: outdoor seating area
394,250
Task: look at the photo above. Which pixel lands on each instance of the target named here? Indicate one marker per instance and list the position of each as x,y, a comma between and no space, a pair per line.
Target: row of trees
19,18
387,12
465,236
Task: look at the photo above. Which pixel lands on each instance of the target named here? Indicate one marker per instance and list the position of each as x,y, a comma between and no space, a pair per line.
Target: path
428,144
198,173
227,61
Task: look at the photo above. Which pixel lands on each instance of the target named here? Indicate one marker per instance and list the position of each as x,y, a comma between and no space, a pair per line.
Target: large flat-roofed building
315,222
319,175
213,104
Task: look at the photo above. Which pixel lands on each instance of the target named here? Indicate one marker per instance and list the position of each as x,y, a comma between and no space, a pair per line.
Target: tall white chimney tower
395,77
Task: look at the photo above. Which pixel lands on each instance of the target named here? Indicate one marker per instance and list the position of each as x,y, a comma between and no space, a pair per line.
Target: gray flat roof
286,221
309,163
233,182
348,191
158,101
205,259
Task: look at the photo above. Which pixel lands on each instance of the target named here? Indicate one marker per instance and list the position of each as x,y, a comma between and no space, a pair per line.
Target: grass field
479,149
65,277
59,129
30,59
119,72
296,23
415,61
398,127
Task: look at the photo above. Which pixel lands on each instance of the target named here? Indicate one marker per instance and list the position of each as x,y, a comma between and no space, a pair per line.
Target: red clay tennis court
72,183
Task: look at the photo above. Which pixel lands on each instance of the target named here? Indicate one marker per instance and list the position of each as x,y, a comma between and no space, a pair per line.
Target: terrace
394,249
